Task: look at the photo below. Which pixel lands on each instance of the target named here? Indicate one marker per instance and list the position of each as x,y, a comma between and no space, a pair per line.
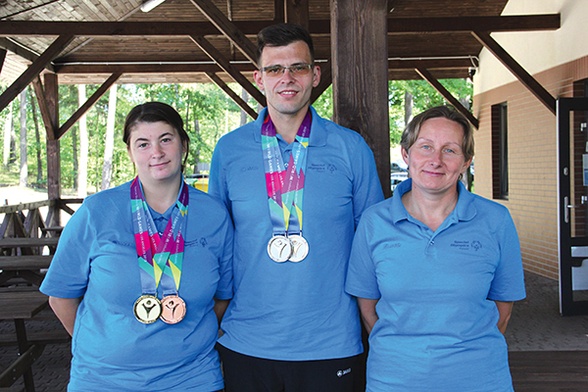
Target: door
572,132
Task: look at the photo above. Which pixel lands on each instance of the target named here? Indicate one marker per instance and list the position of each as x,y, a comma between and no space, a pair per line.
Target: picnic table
22,257
20,306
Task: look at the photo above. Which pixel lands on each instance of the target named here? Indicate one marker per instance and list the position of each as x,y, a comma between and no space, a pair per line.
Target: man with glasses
295,185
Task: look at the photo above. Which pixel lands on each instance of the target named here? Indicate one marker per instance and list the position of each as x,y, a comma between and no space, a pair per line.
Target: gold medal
147,309
300,248
279,248
173,309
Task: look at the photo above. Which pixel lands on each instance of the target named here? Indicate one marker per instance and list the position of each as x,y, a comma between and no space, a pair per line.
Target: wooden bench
27,267
19,306
11,246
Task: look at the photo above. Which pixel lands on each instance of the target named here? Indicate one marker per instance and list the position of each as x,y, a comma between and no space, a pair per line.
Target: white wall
536,51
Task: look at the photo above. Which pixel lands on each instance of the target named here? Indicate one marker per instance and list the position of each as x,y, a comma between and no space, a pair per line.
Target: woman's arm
367,307
220,306
504,312
65,309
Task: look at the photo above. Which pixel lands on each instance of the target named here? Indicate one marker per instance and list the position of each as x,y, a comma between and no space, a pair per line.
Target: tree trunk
407,107
83,164
109,143
244,116
37,140
7,138
24,168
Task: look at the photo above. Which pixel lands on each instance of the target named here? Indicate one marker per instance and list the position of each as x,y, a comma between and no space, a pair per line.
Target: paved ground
535,326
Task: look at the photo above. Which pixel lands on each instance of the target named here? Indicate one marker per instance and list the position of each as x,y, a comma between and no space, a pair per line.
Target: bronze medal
173,309
279,248
147,309
300,248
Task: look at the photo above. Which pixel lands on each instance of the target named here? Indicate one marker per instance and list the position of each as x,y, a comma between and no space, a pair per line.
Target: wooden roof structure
185,41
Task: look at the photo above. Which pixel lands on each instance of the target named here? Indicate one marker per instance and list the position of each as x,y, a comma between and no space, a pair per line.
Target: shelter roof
169,43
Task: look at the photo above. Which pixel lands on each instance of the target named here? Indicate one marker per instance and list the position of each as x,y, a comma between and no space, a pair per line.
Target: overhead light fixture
150,4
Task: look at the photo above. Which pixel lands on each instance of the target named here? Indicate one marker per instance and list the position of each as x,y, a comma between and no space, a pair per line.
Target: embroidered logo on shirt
467,245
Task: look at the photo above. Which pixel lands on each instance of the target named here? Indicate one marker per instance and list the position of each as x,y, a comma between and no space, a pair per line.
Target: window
500,151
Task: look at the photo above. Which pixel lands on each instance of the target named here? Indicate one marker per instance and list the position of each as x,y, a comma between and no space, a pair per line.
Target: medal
279,248
299,248
147,309
173,309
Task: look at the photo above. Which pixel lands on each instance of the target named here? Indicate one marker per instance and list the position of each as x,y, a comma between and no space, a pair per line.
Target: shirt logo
341,373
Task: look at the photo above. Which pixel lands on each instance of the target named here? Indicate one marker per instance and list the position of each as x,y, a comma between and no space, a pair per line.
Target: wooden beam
227,28
50,127
222,62
34,69
20,51
10,28
279,12
87,105
2,57
360,75
296,11
53,150
425,74
517,70
326,81
234,96
475,23
114,67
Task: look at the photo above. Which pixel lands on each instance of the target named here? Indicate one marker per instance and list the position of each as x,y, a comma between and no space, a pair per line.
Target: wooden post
51,93
296,11
360,75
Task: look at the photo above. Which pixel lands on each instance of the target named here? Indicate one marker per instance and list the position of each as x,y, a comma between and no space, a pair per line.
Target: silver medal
279,248
300,248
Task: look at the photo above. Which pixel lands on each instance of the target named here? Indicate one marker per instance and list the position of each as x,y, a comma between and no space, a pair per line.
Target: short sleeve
68,273
508,283
361,273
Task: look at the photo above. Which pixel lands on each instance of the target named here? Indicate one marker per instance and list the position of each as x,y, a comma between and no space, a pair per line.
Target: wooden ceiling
104,37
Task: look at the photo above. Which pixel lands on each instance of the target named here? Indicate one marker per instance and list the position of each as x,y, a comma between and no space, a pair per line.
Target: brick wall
532,161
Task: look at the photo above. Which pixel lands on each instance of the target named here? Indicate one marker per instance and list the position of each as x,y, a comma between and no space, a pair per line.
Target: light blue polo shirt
437,316
97,259
295,311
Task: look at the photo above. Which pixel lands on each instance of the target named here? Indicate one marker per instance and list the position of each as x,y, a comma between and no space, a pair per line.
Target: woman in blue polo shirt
436,270
138,269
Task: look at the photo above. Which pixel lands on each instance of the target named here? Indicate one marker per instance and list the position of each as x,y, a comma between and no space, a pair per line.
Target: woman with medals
143,271
436,270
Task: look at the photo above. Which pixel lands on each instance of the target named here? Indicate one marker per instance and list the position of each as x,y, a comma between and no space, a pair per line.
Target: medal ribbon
285,187
160,257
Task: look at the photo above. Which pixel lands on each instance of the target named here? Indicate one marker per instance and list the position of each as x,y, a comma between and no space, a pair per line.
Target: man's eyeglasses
276,71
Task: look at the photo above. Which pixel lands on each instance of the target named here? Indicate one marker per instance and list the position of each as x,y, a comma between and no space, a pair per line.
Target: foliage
424,97
207,111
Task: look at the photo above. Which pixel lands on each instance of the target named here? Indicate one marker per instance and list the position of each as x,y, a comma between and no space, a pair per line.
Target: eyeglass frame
283,68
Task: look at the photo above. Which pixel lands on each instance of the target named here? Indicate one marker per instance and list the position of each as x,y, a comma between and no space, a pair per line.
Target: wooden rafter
87,105
425,74
44,108
234,96
227,28
2,57
517,70
395,25
217,56
34,69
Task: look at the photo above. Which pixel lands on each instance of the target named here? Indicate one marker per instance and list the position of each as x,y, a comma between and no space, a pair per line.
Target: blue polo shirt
97,259
294,311
437,316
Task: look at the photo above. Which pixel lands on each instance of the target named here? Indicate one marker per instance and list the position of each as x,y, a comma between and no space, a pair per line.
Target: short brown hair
411,132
